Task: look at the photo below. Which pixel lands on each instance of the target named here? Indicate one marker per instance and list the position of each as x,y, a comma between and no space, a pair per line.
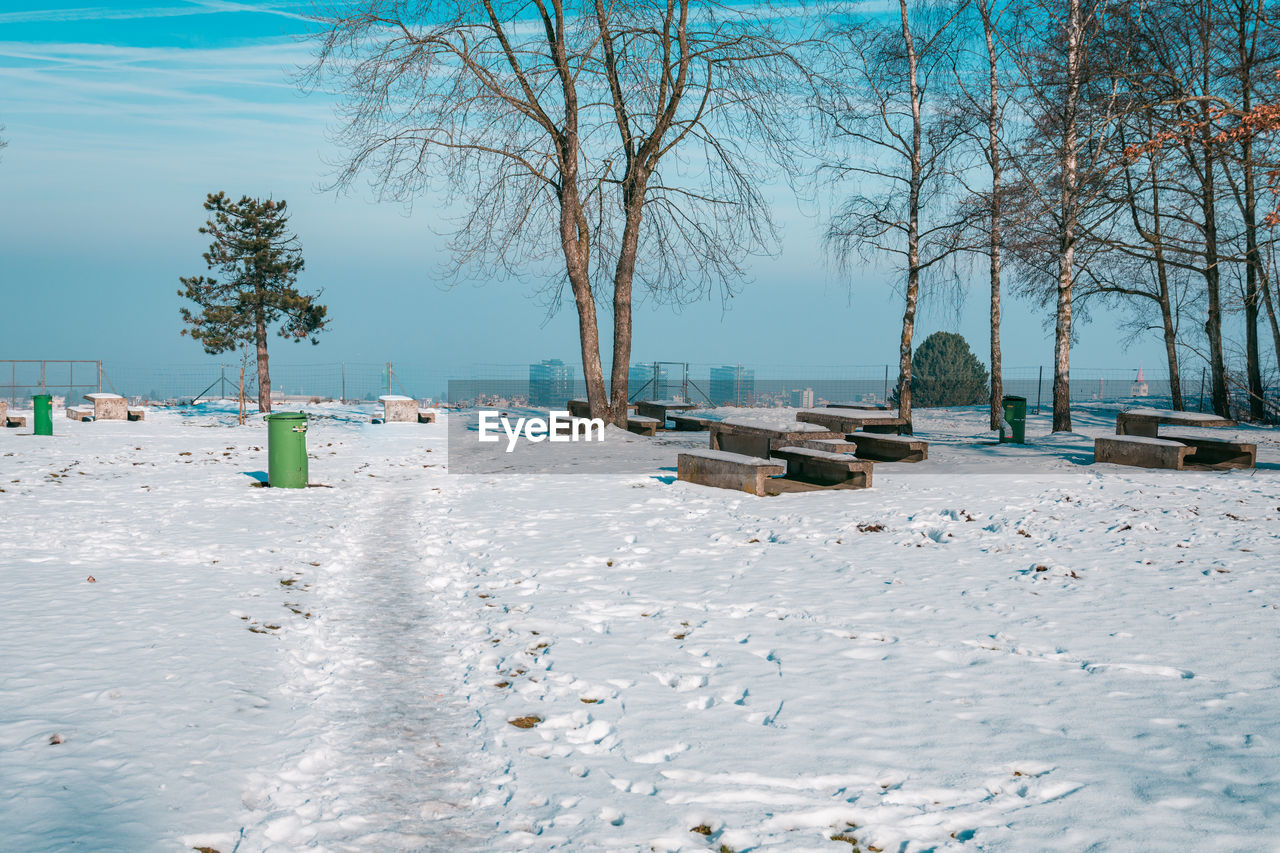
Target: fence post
1039,385
97,385
1200,403
344,383
886,383
71,381
42,388
388,379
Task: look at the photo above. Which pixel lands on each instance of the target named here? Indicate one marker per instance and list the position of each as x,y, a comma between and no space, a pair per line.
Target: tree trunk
1253,258
264,372
993,161
1265,288
624,275
1068,202
1165,299
577,260
1212,278
913,230
1170,340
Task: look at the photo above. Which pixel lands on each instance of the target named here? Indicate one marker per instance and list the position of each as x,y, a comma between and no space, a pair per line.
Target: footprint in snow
1139,669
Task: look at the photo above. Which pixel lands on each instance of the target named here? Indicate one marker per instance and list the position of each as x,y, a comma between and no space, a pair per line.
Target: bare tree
617,144
880,104
1069,94
982,96
1254,41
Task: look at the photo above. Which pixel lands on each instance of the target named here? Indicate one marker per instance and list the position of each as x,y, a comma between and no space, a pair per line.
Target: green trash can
287,450
1014,426
43,405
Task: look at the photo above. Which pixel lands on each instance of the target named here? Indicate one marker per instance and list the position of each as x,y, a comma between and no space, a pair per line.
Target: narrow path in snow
384,765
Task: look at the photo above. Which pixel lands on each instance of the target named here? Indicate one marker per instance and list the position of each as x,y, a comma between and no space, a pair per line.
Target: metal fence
729,383
21,378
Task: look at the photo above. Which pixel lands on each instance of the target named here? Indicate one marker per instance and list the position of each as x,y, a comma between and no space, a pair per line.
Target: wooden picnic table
755,440
1147,422
846,421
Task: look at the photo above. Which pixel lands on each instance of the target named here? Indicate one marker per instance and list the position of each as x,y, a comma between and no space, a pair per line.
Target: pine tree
945,372
259,261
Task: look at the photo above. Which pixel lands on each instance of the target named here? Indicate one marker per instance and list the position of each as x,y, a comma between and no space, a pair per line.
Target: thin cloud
106,13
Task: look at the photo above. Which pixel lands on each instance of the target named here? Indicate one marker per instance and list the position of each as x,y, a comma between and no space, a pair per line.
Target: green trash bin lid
285,416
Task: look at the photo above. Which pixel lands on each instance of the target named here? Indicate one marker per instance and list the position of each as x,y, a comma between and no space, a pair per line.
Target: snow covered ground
1002,648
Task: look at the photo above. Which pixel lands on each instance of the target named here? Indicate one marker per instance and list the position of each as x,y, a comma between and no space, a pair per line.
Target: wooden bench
868,407
891,448
824,468
79,414
662,409
641,425
1142,451
690,423
723,470
846,421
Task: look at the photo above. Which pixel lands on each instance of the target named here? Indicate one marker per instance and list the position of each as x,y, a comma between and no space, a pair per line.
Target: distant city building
641,384
802,398
550,383
733,385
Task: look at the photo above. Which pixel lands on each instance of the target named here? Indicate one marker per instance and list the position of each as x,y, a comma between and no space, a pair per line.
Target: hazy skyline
122,116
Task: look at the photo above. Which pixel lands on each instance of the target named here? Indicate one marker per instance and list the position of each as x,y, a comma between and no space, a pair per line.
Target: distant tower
1139,388
802,398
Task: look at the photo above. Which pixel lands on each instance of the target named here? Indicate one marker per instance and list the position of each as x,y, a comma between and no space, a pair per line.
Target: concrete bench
641,425
830,445
1141,451
848,420
581,409
866,407
753,440
79,414
137,414
689,423
891,448
662,409
824,468
10,421
1217,453
723,470
108,407
397,408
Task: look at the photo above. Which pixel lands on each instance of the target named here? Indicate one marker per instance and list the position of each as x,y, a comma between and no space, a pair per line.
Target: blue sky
121,116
